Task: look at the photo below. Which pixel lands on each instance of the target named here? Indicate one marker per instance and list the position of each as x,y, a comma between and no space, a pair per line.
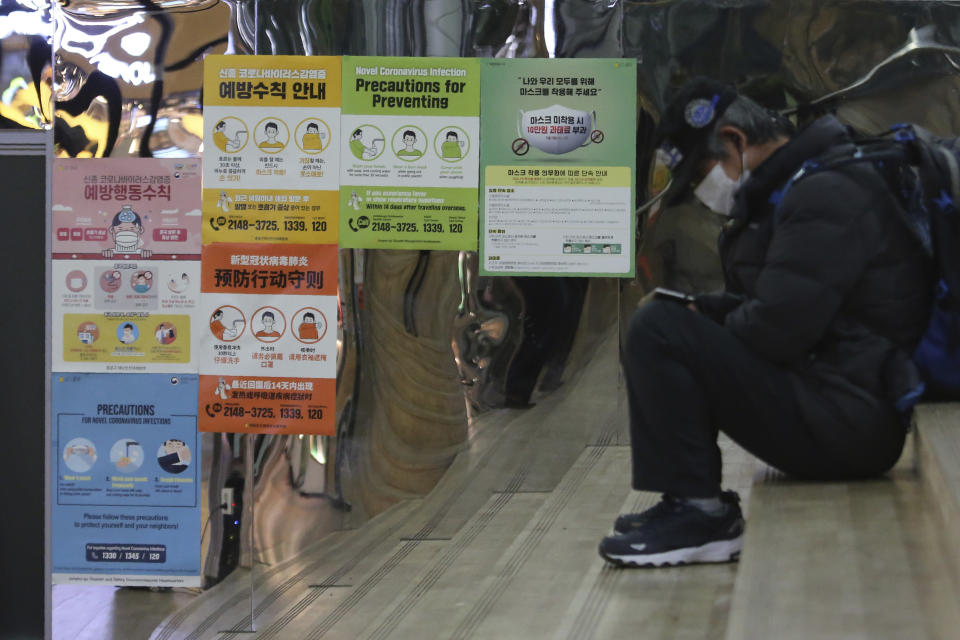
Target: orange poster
268,360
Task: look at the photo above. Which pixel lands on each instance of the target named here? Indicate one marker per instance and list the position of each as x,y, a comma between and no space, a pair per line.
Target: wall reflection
26,64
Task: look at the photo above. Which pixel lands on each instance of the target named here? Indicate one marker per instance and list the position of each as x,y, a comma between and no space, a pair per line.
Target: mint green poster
558,166
409,161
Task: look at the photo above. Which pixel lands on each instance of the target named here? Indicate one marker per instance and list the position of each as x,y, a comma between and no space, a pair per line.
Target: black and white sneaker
674,532
627,522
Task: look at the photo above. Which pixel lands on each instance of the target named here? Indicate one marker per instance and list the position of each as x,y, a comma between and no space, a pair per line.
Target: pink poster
126,209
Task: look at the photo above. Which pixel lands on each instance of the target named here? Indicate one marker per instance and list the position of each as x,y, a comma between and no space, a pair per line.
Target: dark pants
688,378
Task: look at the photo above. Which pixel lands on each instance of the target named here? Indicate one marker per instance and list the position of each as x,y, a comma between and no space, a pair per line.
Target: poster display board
557,172
409,157
125,481
269,354
126,264
271,148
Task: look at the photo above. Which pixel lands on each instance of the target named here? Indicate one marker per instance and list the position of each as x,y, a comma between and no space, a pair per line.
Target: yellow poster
272,148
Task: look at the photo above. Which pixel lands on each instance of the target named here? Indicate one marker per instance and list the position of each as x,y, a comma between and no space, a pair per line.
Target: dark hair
356,132
128,326
176,440
309,315
220,124
452,133
314,125
217,314
409,132
268,314
271,124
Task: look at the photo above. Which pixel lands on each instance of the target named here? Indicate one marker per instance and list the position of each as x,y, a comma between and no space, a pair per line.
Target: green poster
558,166
410,153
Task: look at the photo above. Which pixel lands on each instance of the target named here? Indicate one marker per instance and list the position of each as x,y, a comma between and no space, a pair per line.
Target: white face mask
716,191
126,240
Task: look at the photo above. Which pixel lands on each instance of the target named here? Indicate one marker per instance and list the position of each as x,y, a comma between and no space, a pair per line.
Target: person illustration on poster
128,333
88,333
354,201
222,389
271,144
233,332
606,248
174,456
450,149
142,281
166,333
361,150
80,455
311,139
126,231
568,248
268,332
216,324
408,151
224,143
309,329
178,285
224,202
110,281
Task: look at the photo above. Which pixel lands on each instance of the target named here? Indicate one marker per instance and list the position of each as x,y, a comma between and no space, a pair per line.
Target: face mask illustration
127,241
556,129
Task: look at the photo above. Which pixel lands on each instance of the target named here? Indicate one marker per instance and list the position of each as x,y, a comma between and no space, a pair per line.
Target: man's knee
654,323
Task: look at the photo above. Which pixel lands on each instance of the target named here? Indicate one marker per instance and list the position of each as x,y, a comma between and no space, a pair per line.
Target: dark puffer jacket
832,285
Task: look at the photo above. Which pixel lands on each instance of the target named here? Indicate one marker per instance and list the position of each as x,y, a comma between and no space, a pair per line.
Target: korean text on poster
558,165
126,268
125,484
271,148
409,159
270,340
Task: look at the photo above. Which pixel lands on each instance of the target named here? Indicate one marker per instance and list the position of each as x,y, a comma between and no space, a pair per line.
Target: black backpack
923,172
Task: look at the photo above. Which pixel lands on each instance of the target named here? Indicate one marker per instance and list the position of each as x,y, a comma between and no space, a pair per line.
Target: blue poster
126,481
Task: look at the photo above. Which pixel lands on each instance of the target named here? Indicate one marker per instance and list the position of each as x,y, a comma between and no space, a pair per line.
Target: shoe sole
718,551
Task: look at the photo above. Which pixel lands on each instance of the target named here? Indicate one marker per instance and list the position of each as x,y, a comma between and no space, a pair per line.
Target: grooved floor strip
496,588
343,608
277,625
587,622
447,560
263,603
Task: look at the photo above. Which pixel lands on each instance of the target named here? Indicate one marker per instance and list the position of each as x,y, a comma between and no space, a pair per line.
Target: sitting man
804,355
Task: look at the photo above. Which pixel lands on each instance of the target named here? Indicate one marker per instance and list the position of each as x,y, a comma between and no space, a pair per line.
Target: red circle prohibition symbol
596,136
521,146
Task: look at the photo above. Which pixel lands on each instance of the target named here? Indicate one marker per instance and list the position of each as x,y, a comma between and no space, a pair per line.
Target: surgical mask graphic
717,190
556,129
127,240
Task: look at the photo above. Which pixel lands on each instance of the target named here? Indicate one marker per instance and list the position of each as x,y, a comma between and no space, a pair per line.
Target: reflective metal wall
428,349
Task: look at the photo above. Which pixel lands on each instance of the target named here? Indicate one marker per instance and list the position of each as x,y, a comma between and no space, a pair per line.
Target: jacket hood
814,140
